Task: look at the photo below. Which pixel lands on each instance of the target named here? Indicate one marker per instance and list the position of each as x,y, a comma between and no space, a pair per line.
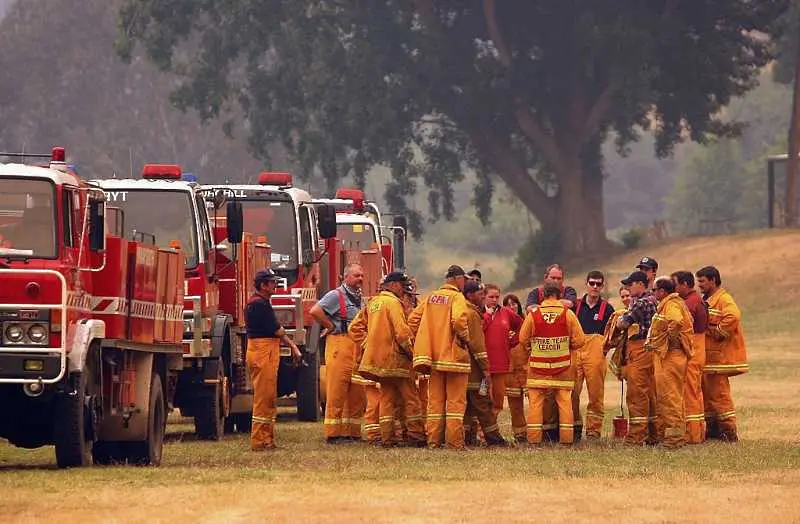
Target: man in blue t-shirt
345,400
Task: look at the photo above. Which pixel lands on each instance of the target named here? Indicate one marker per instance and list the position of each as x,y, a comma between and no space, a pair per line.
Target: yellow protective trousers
640,397
515,393
481,407
263,356
346,401
372,417
447,403
400,395
499,381
590,365
537,401
720,413
693,392
422,387
670,374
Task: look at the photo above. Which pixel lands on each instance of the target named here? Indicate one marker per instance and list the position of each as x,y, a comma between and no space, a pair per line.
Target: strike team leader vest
550,363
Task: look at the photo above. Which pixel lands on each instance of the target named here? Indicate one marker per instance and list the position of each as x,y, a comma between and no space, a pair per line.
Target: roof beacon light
59,155
356,195
161,171
275,178
189,177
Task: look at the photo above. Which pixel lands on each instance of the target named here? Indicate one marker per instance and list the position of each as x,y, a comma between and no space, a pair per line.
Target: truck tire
210,416
308,405
73,442
148,453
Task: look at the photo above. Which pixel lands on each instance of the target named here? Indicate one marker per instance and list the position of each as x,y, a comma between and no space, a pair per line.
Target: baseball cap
471,287
396,276
408,287
475,273
455,271
264,275
636,276
647,263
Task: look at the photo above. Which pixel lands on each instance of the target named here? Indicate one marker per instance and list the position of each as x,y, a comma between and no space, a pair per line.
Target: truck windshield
356,236
276,221
27,218
167,215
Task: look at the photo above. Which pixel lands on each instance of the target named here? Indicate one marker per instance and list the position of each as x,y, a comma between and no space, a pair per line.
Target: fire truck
295,231
90,322
165,209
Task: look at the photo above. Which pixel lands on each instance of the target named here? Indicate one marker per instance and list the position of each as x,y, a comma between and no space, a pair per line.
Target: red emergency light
162,171
273,178
356,195
59,154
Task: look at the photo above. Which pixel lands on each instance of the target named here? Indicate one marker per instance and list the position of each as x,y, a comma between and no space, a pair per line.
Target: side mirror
97,225
219,199
399,232
326,217
235,221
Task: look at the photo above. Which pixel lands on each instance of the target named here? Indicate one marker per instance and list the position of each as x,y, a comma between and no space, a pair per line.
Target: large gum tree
523,91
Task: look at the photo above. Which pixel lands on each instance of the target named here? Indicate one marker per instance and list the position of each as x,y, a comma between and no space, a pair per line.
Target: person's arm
477,342
402,333
532,301
729,319
526,333
358,331
415,317
576,336
325,311
633,316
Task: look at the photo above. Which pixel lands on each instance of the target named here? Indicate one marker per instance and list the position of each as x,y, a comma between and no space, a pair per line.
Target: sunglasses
594,283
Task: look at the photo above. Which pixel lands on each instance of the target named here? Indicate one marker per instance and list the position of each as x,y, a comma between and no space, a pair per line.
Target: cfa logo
439,299
550,318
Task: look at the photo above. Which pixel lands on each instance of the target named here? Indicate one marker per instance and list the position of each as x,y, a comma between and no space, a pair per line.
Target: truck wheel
73,448
209,416
148,453
308,389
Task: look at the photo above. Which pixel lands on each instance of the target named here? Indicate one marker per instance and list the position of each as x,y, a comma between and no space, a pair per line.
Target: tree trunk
570,208
794,141
594,218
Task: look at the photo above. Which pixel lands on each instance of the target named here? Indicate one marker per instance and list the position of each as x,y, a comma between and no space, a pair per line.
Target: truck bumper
29,366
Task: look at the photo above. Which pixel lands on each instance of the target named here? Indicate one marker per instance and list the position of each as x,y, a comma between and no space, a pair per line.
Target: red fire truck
90,322
295,230
167,210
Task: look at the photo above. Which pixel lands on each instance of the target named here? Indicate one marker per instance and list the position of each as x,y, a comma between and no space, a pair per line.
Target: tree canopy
521,91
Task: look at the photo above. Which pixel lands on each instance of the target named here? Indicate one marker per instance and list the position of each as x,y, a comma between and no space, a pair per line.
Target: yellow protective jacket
726,353
477,347
672,328
381,331
553,311
441,332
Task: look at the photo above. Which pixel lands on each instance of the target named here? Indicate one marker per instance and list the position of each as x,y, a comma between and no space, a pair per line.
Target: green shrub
632,238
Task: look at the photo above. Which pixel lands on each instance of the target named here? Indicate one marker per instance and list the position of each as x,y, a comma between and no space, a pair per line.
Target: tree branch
493,28
544,142
505,162
600,109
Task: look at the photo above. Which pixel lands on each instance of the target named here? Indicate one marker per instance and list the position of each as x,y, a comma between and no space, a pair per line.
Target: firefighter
670,340
615,340
381,330
693,391
726,355
550,333
593,313
516,385
500,324
264,337
649,267
480,405
441,350
568,297
345,399
638,369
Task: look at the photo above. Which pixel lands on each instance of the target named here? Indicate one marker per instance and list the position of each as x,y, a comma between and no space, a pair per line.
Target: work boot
336,440
550,435
470,438
712,429
495,439
577,431
521,439
729,436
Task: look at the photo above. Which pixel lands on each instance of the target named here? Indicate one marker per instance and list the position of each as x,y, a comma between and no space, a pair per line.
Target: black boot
551,435
577,433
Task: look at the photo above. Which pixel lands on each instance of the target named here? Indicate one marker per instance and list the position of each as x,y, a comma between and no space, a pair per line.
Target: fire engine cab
90,322
294,229
164,210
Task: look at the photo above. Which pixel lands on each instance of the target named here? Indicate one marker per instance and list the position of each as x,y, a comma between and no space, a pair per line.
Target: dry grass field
757,480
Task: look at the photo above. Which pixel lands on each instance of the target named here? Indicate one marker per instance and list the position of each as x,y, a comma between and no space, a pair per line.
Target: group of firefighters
437,371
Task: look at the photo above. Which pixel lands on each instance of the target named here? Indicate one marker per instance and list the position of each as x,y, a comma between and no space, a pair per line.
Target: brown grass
305,480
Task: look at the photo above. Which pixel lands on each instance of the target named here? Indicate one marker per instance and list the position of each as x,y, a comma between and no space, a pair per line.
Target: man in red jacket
499,324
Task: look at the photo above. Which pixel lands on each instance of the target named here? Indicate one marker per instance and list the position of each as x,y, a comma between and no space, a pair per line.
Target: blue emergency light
189,177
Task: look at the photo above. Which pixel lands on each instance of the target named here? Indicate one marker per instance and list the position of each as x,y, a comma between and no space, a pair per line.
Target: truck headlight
37,333
15,333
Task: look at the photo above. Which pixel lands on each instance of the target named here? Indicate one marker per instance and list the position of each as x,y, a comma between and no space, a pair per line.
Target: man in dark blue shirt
264,337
